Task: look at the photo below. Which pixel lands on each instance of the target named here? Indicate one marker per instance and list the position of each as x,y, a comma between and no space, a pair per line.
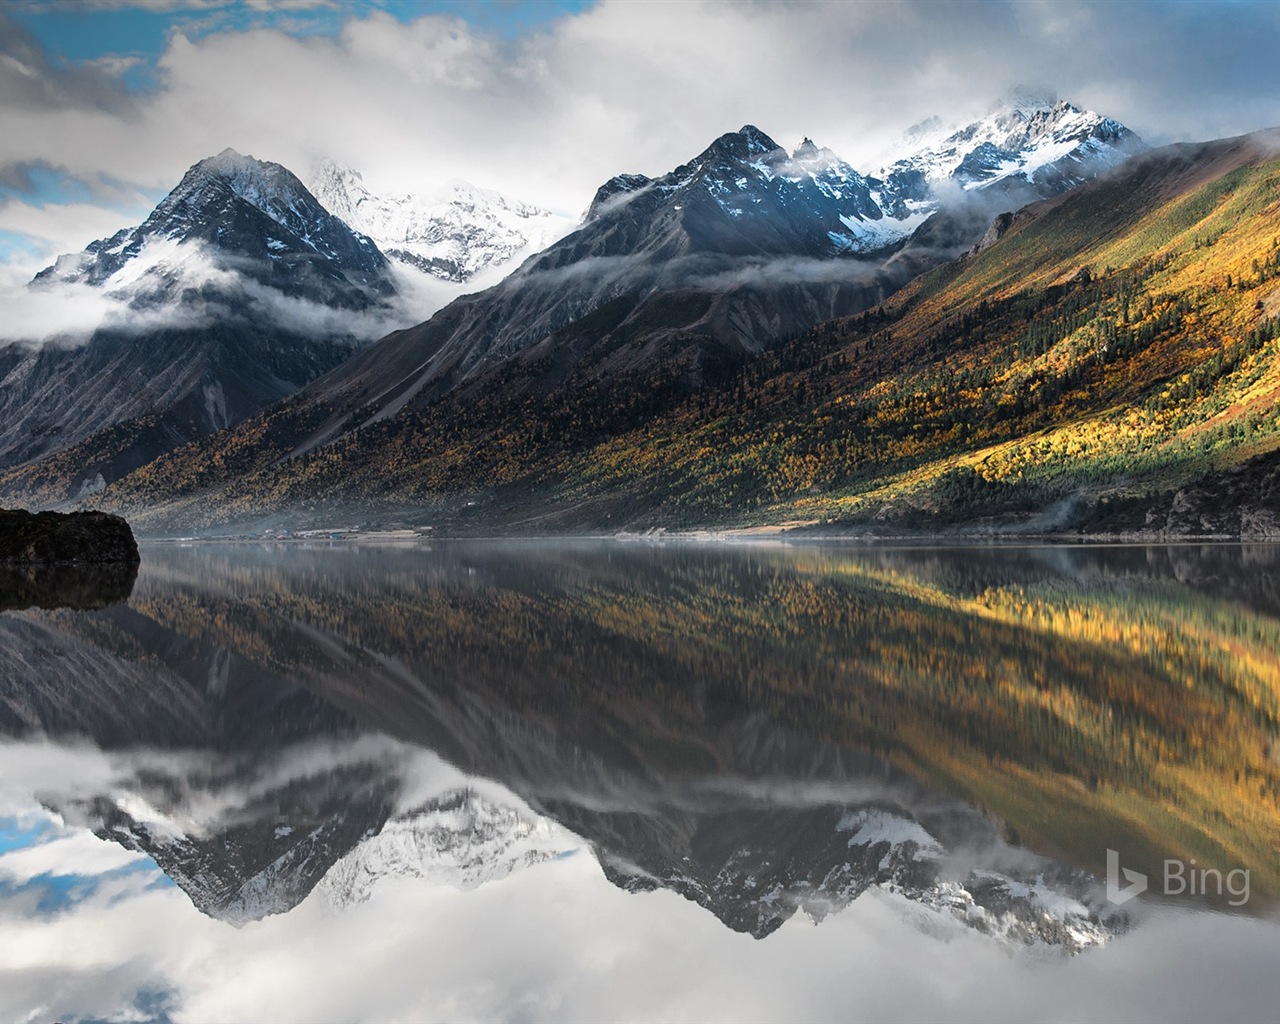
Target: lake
583,780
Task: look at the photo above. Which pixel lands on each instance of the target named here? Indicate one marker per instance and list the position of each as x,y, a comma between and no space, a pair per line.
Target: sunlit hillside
1118,343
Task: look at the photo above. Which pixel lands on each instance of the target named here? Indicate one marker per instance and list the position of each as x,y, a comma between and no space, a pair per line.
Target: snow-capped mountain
461,839
234,216
236,290
1040,142
452,233
745,195
1034,146
262,860
821,200
725,255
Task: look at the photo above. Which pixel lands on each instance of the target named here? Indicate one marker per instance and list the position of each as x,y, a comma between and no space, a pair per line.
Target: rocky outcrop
54,538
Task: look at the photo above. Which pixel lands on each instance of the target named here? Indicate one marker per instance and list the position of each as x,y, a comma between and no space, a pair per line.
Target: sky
105,103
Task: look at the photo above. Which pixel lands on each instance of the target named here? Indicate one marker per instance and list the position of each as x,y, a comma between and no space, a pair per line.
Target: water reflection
66,586
764,731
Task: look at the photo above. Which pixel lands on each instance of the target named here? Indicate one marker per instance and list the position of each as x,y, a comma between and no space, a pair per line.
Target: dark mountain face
75,419
725,255
237,290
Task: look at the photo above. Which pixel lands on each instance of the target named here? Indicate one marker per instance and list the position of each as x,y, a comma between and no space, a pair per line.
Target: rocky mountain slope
664,290
1099,362
236,290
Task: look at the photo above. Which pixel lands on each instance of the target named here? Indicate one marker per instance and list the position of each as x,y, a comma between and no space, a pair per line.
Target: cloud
58,227
792,271
76,853
34,84
622,87
70,313
189,286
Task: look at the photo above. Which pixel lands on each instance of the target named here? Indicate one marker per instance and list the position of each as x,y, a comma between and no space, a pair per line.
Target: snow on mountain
452,233
1030,147
1040,141
461,839
233,219
809,202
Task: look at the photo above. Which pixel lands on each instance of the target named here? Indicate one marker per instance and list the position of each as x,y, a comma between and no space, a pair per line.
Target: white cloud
76,853
642,87
69,313
61,227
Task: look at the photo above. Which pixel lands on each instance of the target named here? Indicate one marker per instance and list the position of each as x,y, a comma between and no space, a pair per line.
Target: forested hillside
1099,357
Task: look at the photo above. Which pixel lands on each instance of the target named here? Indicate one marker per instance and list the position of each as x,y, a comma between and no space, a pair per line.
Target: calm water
579,781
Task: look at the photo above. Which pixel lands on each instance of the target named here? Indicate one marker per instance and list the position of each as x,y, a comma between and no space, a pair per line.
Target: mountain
238,289
668,282
451,233
1040,143
663,292
965,176
461,839
234,212
1103,361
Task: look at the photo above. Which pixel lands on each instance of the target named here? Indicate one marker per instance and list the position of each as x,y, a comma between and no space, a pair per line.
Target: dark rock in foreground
53,538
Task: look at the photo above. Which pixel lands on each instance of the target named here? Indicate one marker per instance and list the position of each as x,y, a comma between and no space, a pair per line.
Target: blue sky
78,32
106,103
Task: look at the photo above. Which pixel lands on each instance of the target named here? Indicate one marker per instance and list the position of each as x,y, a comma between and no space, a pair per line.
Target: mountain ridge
667,285
827,412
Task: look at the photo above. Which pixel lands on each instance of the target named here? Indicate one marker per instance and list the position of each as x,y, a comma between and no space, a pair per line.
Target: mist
192,287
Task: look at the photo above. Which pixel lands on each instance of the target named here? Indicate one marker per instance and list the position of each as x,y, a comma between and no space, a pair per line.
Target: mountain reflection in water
763,730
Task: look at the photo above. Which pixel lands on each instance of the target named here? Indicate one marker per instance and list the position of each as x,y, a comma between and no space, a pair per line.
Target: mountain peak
1030,138
227,158
758,139
746,144
806,150
255,213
